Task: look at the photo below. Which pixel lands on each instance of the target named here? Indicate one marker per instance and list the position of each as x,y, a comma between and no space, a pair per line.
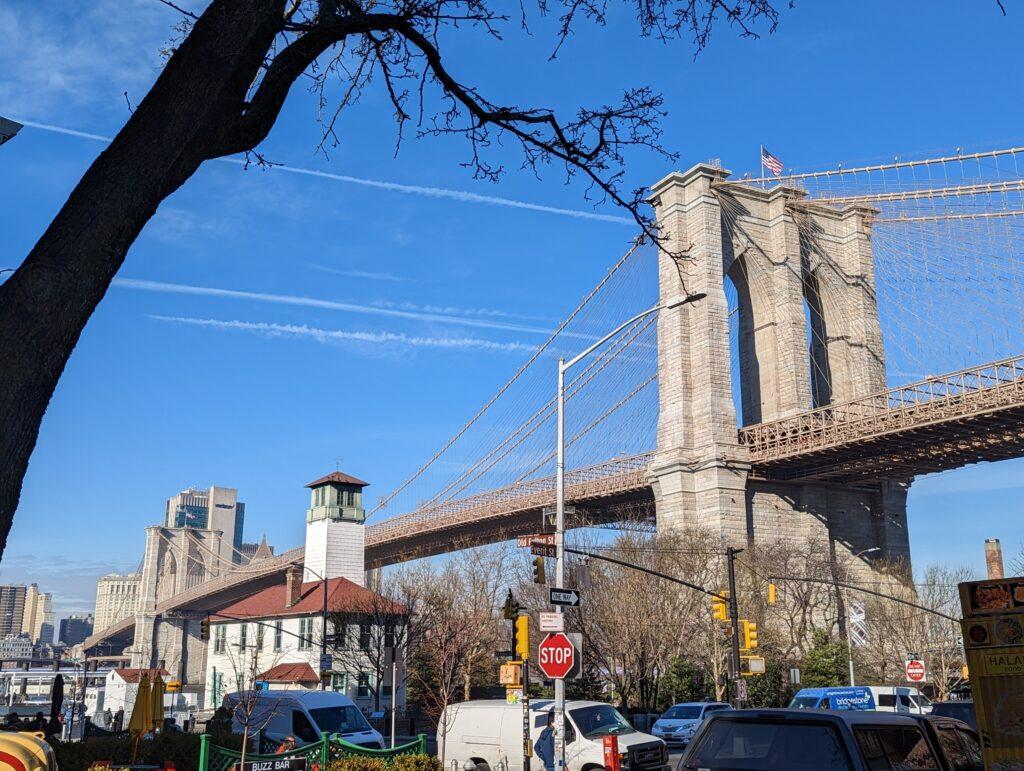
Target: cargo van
882,698
489,735
303,715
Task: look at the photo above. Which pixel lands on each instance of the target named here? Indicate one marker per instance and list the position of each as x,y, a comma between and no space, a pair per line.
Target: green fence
317,755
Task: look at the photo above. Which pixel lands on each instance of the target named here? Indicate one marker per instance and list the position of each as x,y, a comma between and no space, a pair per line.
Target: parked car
680,721
303,715
488,734
829,740
885,698
960,710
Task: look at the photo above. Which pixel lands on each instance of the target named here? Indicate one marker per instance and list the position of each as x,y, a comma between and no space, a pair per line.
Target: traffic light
510,607
719,608
522,637
771,594
539,576
204,629
749,629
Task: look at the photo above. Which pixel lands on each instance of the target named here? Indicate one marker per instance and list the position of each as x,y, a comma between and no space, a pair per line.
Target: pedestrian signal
539,576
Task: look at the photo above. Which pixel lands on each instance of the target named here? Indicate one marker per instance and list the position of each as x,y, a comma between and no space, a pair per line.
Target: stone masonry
809,336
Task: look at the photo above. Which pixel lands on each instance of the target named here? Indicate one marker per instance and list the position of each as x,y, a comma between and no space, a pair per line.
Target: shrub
358,763
181,748
415,763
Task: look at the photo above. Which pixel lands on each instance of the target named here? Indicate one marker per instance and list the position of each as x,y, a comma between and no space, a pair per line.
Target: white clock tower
335,535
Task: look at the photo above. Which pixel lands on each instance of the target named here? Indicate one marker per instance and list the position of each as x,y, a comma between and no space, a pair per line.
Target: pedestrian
13,722
108,718
287,744
118,720
544,749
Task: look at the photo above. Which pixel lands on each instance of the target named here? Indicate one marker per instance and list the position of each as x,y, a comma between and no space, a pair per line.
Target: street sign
556,655
526,541
297,763
741,689
544,550
504,655
551,622
569,598
173,686
326,662
915,670
794,676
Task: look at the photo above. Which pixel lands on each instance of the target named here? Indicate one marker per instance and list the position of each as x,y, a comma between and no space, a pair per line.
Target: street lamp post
323,633
563,367
846,601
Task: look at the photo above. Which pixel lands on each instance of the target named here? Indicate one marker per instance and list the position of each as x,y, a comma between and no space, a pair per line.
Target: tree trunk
46,303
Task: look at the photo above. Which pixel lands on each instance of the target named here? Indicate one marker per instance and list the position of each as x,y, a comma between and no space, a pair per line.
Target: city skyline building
217,508
117,597
38,618
75,628
12,608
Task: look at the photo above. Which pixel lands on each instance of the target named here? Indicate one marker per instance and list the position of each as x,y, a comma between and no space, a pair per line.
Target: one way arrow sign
570,598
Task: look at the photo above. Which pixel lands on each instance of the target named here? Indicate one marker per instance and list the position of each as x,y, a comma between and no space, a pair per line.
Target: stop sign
915,670
556,655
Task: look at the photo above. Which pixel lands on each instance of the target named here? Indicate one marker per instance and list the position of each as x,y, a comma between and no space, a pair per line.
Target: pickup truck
822,740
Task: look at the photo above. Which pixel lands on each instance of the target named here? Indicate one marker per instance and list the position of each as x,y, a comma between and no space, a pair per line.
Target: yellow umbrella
156,703
142,712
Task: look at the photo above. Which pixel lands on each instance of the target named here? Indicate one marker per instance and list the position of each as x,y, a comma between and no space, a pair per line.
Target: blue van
846,698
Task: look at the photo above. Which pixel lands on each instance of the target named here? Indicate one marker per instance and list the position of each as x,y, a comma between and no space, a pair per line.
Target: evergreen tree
825,663
771,688
684,681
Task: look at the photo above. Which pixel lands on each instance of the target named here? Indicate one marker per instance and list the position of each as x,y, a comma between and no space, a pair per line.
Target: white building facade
117,598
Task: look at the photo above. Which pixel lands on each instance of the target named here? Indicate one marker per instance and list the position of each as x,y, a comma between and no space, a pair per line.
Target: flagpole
763,183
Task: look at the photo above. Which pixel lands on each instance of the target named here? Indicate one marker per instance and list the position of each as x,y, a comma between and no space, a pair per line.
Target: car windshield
600,720
804,702
340,720
680,712
745,745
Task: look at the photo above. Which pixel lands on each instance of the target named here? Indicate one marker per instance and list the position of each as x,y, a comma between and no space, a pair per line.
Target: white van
900,698
303,715
490,734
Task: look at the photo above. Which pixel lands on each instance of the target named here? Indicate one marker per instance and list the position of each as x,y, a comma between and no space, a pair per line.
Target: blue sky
273,393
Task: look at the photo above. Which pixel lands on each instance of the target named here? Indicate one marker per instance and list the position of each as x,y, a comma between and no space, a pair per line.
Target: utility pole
734,620
558,734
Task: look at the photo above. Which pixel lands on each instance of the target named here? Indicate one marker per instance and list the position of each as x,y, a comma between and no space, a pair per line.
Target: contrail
330,335
311,302
430,192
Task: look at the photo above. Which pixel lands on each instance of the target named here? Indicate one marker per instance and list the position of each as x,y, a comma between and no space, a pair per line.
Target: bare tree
384,630
220,93
459,609
248,662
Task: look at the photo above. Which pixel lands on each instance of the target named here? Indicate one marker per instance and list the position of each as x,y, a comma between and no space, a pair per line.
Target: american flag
773,164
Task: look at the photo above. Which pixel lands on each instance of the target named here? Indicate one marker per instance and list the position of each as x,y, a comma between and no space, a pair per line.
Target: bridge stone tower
809,336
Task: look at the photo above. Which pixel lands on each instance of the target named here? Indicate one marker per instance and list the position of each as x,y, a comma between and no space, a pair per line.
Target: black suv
821,740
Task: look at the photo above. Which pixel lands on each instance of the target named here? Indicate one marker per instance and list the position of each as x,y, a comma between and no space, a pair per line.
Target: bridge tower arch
803,273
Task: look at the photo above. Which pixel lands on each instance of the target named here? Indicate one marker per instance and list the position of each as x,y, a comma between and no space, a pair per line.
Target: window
765,746
952,748
341,720
595,722
905,701
302,728
339,682
971,747
887,700
260,630
305,633
219,638
278,634
364,636
243,636
389,635
363,689
891,747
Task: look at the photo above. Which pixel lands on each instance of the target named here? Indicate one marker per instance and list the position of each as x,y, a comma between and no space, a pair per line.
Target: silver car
681,721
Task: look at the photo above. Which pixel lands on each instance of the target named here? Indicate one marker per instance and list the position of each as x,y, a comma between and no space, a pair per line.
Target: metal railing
968,392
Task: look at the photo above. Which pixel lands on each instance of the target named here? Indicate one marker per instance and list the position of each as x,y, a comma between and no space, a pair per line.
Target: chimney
994,558
292,585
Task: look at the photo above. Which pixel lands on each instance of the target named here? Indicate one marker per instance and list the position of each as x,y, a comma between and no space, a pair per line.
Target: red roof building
298,673
343,596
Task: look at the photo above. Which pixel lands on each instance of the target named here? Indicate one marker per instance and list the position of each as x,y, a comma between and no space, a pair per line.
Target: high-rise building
37,621
15,646
215,509
74,629
117,597
12,608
